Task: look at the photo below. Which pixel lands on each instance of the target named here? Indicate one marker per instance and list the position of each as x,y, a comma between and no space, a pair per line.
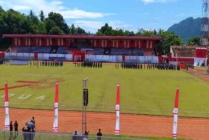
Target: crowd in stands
34,49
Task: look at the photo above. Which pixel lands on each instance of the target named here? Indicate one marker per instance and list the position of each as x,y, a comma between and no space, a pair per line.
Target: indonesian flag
6,105
117,110
55,124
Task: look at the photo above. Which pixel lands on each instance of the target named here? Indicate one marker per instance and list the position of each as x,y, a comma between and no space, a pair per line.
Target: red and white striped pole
55,124
6,105
175,114
117,110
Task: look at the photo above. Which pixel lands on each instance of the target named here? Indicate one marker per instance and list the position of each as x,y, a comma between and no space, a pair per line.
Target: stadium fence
5,135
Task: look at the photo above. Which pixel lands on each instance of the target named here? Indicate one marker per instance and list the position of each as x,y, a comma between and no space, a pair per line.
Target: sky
124,14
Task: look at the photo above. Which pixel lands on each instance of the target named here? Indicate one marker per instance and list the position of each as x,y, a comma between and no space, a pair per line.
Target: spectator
11,128
99,135
86,135
24,133
33,121
75,135
16,128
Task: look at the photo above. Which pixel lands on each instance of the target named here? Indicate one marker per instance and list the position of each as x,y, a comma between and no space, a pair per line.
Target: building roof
80,37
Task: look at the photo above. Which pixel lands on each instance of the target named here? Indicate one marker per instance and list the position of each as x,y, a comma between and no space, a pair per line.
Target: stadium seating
24,49
62,50
135,52
40,49
98,51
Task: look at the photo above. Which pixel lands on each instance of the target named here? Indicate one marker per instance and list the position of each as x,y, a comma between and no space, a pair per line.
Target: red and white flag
117,110
6,106
55,124
175,114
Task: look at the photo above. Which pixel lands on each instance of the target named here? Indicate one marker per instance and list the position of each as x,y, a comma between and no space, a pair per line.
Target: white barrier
142,59
94,58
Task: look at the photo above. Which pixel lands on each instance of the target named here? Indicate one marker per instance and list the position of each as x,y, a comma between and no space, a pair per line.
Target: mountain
187,28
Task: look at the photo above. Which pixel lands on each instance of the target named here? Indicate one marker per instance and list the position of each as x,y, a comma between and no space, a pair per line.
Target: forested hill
187,28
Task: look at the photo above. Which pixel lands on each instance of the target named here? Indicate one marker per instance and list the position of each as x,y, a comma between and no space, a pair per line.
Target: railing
6,135
94,58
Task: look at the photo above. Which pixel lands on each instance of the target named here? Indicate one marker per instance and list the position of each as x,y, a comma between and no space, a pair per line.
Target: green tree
56,31
194,41
59,21
72,29
41,15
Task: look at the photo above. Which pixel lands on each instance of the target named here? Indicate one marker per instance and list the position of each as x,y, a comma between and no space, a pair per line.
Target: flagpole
175,115
55,124
117,110
6,106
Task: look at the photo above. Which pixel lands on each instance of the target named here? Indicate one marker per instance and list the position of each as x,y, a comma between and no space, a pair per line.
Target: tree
41,15
72,29
59,21
80,31
31,14
49,25
194,41
56,31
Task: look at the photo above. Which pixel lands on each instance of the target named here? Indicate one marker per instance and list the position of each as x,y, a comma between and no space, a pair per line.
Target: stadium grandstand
68,44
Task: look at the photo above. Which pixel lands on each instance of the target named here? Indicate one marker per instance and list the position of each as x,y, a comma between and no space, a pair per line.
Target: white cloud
93,26
49,6
156,1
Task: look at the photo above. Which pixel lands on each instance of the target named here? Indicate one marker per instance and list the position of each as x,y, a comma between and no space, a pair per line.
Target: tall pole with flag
6,105
175,114
117,110
55,124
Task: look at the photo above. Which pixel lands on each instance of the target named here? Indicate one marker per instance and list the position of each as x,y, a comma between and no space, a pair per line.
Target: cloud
49,6
157,1
93,26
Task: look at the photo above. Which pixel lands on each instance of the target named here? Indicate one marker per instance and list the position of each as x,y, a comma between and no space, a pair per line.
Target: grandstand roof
80,37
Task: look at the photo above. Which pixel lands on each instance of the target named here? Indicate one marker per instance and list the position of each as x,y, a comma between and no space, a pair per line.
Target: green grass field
142,91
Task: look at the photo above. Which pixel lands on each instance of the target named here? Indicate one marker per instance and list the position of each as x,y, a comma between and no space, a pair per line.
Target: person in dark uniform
11,128
16,128
99,135
33,121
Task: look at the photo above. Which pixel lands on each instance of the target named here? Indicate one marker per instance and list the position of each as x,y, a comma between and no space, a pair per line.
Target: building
92,41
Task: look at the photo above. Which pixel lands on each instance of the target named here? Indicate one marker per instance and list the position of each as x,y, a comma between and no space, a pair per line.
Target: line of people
89,64
47,63
78,136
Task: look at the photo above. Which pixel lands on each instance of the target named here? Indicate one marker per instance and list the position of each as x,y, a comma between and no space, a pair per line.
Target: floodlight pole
84,122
